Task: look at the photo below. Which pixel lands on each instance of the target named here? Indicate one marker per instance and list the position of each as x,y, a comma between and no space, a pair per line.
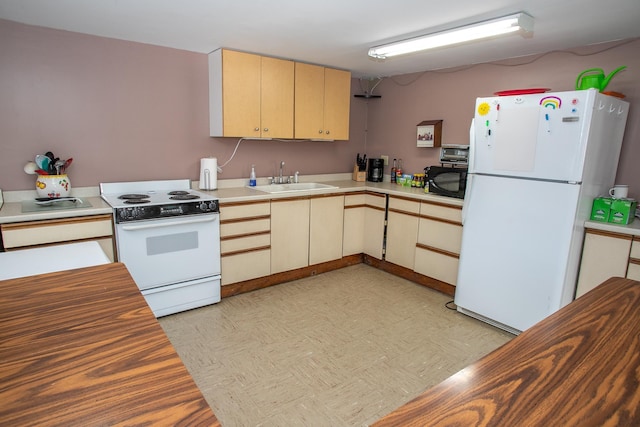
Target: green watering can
594,78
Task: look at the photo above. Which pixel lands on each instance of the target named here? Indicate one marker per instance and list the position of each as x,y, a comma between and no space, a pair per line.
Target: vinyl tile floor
343,348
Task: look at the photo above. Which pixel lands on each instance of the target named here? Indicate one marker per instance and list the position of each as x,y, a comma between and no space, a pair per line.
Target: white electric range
168,236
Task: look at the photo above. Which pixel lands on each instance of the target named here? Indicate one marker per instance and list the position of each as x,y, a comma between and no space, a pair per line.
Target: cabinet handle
328,132
256,129
320,131
266,129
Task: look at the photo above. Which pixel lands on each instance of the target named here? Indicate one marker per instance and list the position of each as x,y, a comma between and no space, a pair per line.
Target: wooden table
81,347
578,367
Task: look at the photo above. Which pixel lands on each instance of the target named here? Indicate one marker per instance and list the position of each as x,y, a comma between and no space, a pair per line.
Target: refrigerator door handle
467,198
472,140
472,143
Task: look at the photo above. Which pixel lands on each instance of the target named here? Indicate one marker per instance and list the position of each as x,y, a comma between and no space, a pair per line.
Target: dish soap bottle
252,177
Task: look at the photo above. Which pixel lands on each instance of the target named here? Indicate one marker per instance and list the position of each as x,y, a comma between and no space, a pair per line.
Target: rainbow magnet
551,102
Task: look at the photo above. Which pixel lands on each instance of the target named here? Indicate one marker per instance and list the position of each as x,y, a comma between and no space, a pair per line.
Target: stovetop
148,193
153,200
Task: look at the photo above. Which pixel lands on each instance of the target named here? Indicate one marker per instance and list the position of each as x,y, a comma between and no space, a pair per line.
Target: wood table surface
578,367
81,347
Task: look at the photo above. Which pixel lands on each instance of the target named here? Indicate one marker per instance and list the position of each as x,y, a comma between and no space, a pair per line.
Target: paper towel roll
209,173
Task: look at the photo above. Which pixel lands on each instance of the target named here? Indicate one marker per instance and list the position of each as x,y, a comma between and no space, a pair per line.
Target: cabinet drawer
633,272
442,235
53,231
635,249
244,243
436,265
441,211
354,199
245,227
244,210
375,200
404,205
245,266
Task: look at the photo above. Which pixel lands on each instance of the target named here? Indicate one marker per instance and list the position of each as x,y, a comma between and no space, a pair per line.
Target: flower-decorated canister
53,186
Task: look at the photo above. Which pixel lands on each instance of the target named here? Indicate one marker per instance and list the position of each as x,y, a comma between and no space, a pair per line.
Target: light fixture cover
518,23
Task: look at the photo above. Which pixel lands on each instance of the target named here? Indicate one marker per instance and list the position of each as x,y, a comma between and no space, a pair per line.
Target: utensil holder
53,186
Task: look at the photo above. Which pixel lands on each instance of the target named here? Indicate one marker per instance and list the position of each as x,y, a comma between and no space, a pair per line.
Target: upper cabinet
322,101
255,96
250,95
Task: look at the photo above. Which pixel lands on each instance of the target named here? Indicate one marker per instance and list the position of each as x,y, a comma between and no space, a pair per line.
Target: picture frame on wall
429,133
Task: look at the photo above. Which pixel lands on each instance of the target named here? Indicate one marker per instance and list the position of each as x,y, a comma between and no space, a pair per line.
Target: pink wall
450,95
128,111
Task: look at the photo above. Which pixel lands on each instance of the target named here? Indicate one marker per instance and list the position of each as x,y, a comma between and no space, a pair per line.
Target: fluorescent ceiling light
517,23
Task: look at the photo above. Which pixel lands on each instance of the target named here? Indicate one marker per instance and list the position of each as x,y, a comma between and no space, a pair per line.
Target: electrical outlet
386,160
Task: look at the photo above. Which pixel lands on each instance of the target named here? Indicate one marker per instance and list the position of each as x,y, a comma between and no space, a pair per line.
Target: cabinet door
325,230
402,231
276,107
337,103
241,89
374,218
604,255
309,101
633,271
289,234
354,229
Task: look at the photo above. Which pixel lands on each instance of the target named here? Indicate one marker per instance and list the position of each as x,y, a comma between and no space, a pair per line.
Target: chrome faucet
280,178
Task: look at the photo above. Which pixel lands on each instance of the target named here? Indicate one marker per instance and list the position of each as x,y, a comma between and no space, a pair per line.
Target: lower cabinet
289,234
439,241
633,270
354,229
604,254
364,220
97,228
245,241
326,224
374,224
402,231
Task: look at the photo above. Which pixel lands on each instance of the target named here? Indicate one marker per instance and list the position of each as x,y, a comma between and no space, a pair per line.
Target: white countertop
632,229
49,259
234,190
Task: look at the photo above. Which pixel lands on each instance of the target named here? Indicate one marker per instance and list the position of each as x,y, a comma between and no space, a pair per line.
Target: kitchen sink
286,188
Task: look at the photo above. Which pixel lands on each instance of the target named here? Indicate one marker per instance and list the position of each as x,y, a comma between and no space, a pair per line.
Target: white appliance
168,236
536,163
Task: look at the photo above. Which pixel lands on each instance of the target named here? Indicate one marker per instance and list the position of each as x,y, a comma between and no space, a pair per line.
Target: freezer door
516,264
542,136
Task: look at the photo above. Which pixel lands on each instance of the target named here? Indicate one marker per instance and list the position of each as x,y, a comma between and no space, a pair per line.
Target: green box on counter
622,211
601,209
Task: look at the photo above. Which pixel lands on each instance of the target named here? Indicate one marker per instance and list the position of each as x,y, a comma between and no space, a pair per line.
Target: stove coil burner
133,196
136,201
178,193
184,197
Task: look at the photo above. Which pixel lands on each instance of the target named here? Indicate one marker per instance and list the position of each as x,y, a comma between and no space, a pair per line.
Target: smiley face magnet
483,109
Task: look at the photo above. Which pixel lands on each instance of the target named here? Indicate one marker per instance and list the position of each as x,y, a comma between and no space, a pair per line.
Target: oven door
170,250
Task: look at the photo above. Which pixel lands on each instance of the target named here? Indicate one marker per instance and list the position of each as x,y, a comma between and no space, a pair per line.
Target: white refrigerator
536,163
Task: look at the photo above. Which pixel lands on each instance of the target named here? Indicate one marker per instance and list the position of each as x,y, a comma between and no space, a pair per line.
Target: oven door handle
158,224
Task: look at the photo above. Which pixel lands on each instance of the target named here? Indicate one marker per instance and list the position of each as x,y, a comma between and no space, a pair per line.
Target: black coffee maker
375,170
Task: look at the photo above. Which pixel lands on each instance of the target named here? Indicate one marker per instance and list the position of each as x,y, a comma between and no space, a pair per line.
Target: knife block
358,175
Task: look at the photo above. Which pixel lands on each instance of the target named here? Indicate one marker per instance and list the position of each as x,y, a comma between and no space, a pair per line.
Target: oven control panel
149,212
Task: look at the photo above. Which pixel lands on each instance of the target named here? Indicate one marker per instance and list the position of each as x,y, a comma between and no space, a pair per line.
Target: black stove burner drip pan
136,201
133,196
184,197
